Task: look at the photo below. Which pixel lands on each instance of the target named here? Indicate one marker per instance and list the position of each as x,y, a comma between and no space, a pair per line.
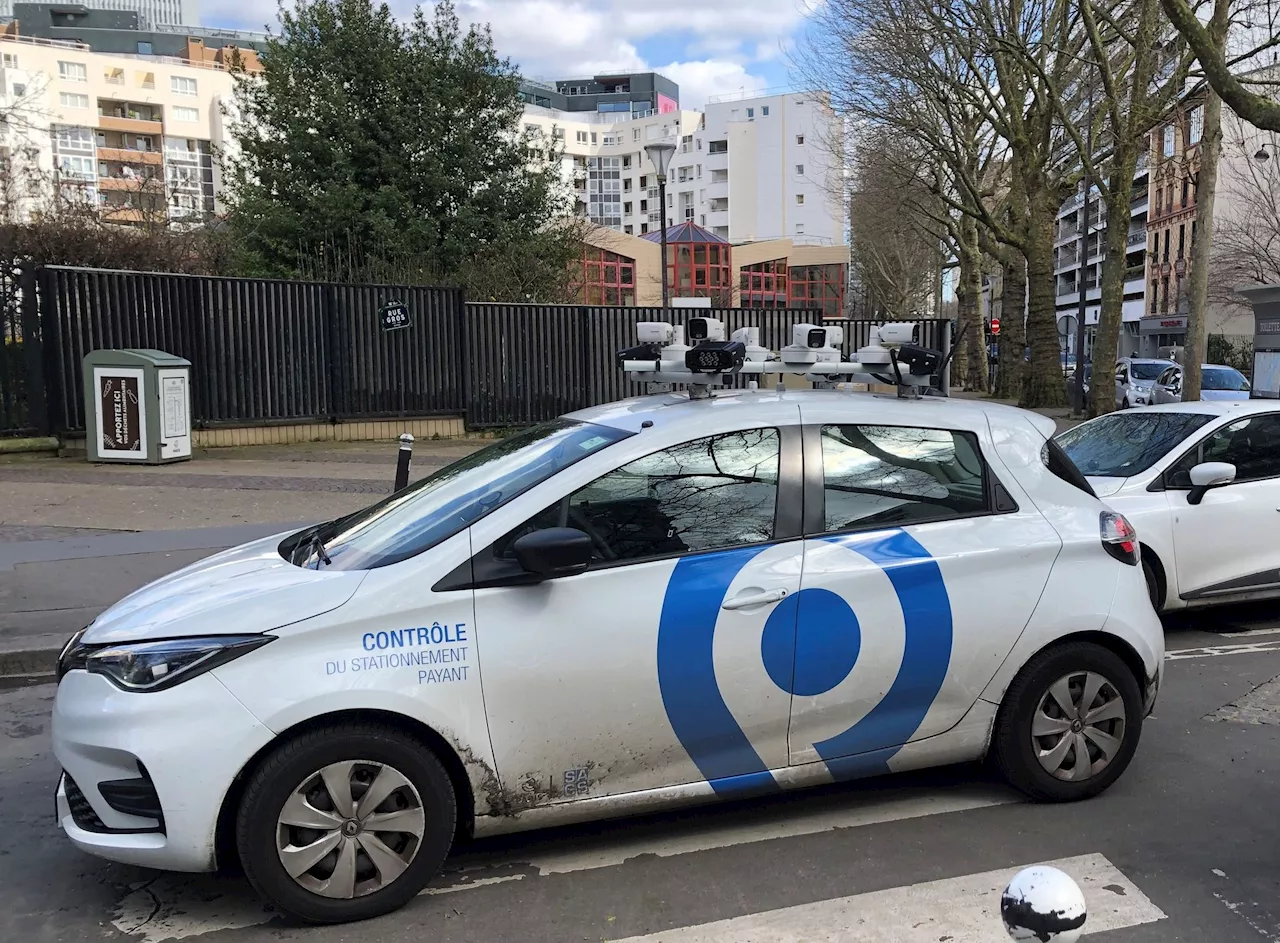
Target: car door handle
746,601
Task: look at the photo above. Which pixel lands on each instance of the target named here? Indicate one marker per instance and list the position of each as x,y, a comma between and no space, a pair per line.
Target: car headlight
154,666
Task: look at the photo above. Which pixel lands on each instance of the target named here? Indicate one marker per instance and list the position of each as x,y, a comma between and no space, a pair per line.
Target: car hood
247,589
1221,395
1105,487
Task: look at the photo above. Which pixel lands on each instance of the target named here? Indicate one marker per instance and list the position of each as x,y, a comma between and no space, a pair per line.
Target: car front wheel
345,823
1069,724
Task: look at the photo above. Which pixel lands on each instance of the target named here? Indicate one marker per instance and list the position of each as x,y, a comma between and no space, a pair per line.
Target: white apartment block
751,168
133,135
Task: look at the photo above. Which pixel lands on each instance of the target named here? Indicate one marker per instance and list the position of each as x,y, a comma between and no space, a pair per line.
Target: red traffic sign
995,325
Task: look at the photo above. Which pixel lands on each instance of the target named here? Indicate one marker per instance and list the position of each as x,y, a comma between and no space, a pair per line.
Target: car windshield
1223,378
440,505
1121,445
1147,371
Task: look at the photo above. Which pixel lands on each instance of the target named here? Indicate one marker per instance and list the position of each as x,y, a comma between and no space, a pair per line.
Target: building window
19,90
626,209
764,111
701,270
558,133
686,143
800,139
799,229
593,137
72,100
10,61
626,165
144,49
763,285
717,147
1155,296
182,86
73,71
629,230
1195,127
800,169
1168,140
581,137
180,113
635,134
817,287
607,278
145,79
800,199
644,228
751,113
1182,238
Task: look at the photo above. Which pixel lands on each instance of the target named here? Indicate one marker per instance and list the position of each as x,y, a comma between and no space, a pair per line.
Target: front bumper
164,759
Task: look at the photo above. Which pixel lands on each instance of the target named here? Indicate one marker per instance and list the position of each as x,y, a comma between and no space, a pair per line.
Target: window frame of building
764,111
73,100
799,170
72,71
818,287
763,284
1195,125
1169,140
718,147
608,278
800,140
799,199
184,85
751,113
701,270
177,112
145,48
10,60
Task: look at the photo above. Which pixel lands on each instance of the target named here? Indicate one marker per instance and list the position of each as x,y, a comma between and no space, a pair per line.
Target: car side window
1165,377
707,494
884,475
1122,375
1252,445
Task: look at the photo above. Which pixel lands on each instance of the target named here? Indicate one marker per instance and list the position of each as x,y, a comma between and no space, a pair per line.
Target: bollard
403,461
1043,903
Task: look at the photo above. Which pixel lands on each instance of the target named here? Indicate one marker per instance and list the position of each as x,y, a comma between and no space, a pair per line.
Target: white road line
1274,630
962,910
1213,651
774,822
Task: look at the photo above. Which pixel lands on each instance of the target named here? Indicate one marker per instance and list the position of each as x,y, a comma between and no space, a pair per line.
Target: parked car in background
1217,382
1135,378
1201,483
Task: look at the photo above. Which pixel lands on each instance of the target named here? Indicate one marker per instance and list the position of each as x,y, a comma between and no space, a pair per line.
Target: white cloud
710,48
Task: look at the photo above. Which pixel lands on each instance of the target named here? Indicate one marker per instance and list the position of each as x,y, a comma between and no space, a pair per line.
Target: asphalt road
1185,847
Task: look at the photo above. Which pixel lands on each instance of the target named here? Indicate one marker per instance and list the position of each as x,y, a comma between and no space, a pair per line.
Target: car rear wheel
1153,586
345,823
1069,724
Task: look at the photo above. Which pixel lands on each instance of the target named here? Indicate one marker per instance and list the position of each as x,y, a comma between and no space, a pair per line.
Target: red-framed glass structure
699,263
607,277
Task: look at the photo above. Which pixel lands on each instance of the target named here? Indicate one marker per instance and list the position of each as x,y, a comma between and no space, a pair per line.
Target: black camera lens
698,329
818,337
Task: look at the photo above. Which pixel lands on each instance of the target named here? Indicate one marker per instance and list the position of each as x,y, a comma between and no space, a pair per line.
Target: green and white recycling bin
137,407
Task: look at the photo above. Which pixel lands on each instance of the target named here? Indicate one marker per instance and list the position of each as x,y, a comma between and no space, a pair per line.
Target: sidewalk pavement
75,537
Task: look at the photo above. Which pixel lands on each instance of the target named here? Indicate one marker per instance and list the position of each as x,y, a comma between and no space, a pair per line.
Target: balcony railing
1138,238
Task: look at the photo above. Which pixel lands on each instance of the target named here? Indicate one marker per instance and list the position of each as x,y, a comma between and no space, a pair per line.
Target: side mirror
555,551
1208,475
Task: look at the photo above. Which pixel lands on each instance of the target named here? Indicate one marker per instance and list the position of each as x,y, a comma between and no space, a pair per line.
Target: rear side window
880,475
1057,462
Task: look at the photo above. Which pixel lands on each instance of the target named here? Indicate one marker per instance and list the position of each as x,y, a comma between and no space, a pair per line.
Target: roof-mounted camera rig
893,357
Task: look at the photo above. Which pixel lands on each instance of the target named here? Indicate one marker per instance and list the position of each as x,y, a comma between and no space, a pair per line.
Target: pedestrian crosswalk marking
961,910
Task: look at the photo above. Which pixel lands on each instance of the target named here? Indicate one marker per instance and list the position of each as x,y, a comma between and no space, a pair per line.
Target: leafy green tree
370,149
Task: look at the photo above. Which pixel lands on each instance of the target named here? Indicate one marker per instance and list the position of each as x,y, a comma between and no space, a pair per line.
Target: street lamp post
660,157
1080,403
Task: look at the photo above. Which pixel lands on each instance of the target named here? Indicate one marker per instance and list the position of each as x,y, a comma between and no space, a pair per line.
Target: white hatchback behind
1201,483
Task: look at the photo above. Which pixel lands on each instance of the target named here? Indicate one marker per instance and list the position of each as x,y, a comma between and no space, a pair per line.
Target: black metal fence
16,416
267,351
261,351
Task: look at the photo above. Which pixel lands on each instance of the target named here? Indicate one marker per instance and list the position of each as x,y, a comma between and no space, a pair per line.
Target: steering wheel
579,520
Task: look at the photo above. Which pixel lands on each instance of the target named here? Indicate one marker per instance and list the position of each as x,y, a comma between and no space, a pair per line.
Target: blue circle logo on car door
810,644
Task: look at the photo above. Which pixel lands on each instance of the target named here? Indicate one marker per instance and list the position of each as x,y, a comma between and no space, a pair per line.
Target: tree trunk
973,376
1202,247
1106,343
1206,196
1044,384
1013,326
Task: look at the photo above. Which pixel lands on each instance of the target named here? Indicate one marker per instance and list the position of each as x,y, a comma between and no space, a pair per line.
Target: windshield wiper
317,550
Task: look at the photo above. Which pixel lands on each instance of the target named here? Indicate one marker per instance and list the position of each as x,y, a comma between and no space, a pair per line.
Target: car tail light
1119,538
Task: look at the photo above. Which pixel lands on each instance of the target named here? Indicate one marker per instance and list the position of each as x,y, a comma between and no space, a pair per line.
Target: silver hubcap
1079,726
350,829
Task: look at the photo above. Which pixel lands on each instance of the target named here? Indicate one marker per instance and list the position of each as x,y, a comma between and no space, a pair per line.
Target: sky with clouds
708,48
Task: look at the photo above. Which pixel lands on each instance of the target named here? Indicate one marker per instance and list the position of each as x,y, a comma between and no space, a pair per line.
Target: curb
36,665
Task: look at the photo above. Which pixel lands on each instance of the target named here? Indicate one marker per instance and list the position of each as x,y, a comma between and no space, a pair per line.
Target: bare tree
1246,239
893,246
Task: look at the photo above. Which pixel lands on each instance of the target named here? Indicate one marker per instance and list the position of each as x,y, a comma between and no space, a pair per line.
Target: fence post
945,379
584,358
33,352
332,346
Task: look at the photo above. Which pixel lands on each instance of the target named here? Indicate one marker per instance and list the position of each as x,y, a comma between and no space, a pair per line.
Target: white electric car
1201,483
661,601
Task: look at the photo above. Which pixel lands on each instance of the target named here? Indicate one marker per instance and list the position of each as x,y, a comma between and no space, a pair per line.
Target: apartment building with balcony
133,135
1072,275
752,167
